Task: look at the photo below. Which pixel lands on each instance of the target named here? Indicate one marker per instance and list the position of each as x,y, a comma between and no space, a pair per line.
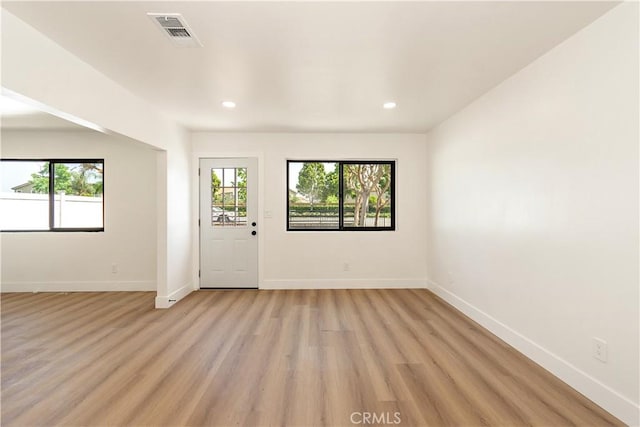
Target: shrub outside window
52,195
340,195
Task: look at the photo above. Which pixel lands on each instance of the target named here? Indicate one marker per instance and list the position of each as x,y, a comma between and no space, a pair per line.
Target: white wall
315,259
176,210
534,210
35,67
44,261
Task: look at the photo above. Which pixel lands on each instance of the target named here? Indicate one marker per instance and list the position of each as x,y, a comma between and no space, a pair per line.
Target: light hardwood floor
262,358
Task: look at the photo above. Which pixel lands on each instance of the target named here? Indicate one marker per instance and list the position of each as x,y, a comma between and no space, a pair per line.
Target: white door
228,223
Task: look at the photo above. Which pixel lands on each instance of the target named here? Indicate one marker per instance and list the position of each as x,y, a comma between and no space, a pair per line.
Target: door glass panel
229,197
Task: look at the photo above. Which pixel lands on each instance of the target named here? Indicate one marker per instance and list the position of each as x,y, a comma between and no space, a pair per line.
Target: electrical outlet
346,266
114,268
599,349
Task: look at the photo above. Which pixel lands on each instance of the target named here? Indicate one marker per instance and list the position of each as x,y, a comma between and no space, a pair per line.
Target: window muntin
52,195
340,195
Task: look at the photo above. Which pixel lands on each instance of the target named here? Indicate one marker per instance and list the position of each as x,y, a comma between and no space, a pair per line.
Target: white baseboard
343,284
173,297
65,286
601,394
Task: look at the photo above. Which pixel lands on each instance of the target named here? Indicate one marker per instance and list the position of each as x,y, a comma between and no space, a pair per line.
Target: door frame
195,208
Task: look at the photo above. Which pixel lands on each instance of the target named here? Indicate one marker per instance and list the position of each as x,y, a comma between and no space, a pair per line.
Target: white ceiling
311,66
36,121
18,115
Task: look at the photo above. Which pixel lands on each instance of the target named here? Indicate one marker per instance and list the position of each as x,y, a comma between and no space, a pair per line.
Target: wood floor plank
268,358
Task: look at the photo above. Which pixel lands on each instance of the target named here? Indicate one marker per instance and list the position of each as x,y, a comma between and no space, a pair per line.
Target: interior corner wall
534,210
315,260
81,261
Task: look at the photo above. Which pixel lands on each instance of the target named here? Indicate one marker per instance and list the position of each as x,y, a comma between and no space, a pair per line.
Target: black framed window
329,195
52,194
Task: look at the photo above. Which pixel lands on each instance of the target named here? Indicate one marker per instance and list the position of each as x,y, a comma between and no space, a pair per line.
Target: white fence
27,211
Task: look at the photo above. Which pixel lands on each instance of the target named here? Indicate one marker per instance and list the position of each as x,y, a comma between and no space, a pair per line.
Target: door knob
253,223
253,233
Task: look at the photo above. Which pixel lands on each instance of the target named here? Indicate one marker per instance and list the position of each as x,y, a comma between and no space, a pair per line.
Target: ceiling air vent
174,26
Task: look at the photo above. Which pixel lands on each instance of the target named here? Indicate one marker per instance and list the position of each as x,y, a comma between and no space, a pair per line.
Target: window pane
229,197
229,177
367,195
78,195
241,201
313,196
24,200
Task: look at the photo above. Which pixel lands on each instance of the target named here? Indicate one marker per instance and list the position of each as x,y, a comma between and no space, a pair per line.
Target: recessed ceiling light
389,105
228,104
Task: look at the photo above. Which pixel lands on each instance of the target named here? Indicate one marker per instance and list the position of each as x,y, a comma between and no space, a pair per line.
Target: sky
16,173
295,168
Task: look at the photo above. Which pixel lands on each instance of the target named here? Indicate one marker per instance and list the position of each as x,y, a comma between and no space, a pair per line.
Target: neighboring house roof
27,187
